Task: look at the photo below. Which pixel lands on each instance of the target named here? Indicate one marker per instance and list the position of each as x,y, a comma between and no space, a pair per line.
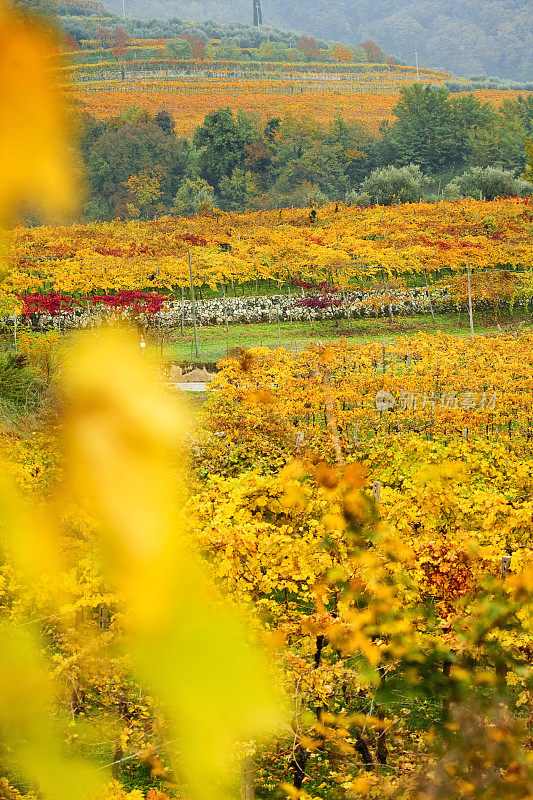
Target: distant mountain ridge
461,36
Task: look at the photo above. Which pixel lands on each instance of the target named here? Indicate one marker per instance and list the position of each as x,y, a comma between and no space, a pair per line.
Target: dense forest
490,36
440,142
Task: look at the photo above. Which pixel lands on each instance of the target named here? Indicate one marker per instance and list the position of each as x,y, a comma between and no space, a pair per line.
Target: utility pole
258,13
124,9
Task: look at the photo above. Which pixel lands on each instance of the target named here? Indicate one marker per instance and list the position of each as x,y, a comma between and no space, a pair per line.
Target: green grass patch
214,343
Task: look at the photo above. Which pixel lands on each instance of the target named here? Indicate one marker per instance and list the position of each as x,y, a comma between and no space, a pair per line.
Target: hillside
491,36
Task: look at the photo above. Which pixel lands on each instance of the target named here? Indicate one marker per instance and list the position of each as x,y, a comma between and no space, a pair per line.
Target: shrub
21,388
487,183
393,184
354,198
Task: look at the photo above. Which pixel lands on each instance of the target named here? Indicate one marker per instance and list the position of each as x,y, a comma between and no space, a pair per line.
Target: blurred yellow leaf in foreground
125,464
36,168
125,472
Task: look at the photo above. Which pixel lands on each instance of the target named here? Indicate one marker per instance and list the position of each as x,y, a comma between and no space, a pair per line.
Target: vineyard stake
247,780
429,296
225,308
290,306
470,299
193,304
506,564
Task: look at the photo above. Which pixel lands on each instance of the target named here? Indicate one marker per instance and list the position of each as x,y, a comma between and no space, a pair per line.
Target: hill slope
492,36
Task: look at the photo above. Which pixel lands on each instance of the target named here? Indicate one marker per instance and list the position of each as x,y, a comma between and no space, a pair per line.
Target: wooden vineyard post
279,329
429,296
290,305
506,565
182,310
470,299
384,358
225,308
346,311
103,616
446,671
247,780
193,304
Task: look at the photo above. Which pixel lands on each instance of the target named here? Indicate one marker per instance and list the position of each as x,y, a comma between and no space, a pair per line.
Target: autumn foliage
320,589
349,248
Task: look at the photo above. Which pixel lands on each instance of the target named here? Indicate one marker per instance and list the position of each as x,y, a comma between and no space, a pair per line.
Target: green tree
228,51
221,141
522,108
237,191
500,144
193,196
165,122
178,48
40,8
355,148
273,51
320,166
359,55
430,130
528,174
120,149
298,134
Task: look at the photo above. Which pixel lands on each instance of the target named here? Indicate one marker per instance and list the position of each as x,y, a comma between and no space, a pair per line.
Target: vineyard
367,92
262,99
348,248
360,503
437,432
315,581
370,104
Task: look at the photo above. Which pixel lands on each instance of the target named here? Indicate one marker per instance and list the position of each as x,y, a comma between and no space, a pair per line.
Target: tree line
85,21
492,36
439,145
208,41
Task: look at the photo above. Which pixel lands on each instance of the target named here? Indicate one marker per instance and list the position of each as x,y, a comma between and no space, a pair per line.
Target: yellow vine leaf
35,166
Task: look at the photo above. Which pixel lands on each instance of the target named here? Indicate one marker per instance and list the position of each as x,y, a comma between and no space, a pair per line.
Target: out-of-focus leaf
187,642
34,740
36,169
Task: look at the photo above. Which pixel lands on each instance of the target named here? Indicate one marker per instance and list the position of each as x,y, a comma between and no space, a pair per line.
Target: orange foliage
188,102
264,103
